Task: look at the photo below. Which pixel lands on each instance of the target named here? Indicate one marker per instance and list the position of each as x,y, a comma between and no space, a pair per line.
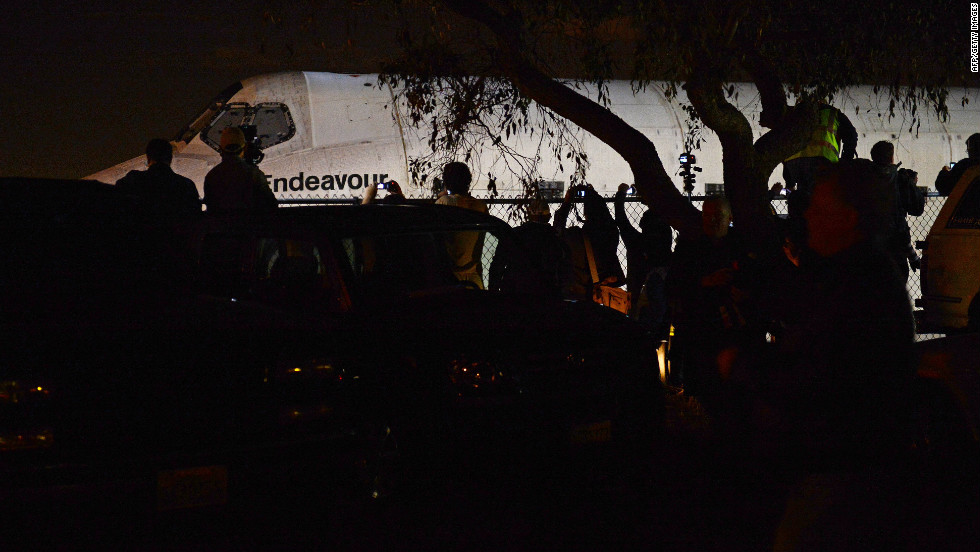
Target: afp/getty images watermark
974,38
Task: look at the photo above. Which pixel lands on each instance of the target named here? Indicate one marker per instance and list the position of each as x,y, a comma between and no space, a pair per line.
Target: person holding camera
593,244
394,197
234,185
647,257
950,174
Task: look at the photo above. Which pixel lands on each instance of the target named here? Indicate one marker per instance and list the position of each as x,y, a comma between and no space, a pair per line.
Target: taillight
23,423
305,388
15,392
480,378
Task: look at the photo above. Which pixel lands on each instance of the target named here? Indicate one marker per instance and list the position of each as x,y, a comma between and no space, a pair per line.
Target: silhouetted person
841,383
159,188
456,178
834,139
393,197
466,247
709,292
948,177
234,185
905,199
549,254
700,286
647,259
598,233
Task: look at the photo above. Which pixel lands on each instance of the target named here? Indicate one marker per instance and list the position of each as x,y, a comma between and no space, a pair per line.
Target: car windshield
333,272
409,263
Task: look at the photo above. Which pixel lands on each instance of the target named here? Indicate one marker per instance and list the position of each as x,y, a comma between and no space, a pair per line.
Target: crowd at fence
507,209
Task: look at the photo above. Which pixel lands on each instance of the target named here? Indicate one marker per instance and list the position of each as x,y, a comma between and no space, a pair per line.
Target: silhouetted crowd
799,350
803,359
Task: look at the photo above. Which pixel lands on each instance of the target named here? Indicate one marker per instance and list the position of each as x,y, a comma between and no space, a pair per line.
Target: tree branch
654,184
788,137
771,90
708,98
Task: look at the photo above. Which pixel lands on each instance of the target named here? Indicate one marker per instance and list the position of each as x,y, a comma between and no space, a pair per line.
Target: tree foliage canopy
473,71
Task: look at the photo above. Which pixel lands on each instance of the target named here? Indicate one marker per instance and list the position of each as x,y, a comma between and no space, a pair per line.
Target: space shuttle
328,135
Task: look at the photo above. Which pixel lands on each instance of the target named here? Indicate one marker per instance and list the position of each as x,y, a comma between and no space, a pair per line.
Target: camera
253,144
580,193
382,185
631,191
688,169
951,164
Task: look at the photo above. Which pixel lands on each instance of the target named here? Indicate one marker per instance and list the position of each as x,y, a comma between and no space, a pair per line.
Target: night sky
84,85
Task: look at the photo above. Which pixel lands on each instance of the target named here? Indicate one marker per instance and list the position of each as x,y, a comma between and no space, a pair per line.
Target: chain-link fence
506,209
509,210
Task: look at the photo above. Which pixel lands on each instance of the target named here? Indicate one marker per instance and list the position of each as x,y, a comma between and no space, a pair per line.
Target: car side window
382,265
488,254
289,272
966,215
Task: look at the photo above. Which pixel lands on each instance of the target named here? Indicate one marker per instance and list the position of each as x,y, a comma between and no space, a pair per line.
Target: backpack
912,198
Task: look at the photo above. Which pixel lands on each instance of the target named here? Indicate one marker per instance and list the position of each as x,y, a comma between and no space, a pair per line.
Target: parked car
191,363
950,272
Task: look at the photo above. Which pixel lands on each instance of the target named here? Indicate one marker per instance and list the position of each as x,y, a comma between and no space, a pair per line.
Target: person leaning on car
234,185
948,177
159,187
466,247
456,177
598,233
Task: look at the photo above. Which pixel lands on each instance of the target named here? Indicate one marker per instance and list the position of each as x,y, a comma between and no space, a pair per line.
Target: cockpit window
273,124
232,115
272,121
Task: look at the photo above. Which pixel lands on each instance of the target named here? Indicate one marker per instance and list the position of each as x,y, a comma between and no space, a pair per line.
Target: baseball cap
232,140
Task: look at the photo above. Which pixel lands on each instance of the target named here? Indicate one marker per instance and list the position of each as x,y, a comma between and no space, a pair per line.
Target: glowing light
662,361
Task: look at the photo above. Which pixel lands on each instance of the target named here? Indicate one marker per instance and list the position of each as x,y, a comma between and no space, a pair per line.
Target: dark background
83,85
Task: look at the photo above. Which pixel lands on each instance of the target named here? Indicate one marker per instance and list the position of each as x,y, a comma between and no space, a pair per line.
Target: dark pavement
694,496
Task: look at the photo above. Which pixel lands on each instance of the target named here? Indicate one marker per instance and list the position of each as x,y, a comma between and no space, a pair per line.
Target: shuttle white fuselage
327,135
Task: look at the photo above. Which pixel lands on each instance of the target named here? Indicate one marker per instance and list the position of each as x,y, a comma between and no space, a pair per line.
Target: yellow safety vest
823,141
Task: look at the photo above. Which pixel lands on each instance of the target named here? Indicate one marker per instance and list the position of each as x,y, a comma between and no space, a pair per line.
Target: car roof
381,218
90,198
43,195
